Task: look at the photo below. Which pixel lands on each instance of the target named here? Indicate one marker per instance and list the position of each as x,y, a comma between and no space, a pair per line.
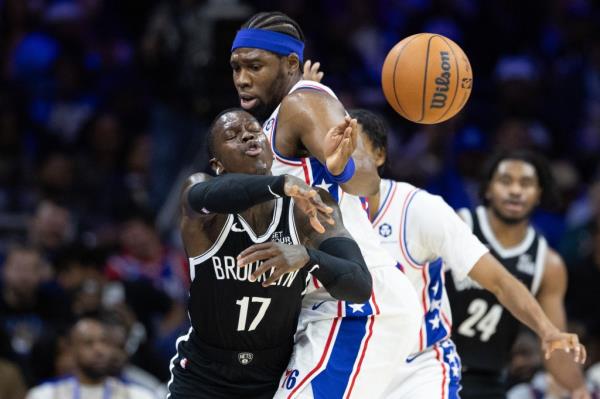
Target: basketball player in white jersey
340,350
426,236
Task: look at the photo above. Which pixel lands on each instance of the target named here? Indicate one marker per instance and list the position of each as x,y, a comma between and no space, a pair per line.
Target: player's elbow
356,288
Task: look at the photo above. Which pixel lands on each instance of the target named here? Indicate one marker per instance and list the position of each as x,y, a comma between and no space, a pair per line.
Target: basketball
427,78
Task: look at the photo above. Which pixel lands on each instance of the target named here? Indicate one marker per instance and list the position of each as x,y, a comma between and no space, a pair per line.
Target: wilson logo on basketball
442,83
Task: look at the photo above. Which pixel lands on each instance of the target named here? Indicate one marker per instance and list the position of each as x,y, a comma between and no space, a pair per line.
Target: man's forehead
512,166
234,118
248,54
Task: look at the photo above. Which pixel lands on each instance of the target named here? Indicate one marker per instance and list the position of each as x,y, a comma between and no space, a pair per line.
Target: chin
261,112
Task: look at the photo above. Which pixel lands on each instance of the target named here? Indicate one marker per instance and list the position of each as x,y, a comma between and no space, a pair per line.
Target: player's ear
380,157
216,166
293,63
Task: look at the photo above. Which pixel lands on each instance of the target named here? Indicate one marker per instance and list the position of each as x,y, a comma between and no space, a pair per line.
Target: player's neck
373,201
507,234
292,82
259,217
85,379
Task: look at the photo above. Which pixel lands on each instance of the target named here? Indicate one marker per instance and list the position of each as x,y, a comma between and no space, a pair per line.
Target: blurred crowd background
104,106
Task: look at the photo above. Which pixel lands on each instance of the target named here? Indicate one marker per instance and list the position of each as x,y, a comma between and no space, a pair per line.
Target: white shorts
431,374
345,350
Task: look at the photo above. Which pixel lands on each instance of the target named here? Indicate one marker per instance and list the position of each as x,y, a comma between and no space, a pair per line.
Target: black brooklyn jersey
227,310
482,329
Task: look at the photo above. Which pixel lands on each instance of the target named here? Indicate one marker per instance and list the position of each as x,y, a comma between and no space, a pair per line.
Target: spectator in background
147,312
125,341
526,359
12,384
56,174
144,257
458,182
31,307
584,279
90,350
51,229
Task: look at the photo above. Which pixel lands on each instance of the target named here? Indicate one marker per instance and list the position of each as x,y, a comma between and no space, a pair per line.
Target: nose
248,135
515,189
242,79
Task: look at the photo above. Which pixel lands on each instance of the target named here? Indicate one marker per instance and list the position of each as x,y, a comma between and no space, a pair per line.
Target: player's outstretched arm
515,297
341,267
318,123
236,192
551,298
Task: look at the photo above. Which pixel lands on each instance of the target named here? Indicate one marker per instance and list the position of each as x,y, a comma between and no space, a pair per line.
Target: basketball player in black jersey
515,183
251,247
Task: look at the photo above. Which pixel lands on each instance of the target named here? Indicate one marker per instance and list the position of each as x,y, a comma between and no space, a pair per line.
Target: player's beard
277,92
95,374
509,220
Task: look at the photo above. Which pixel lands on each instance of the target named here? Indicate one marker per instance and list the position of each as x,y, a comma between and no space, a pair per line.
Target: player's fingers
315,67
307,67
317,201
583,354
577,353
316,224
264,268
279,271
309,194
354,133
256,256
320,76
547,353
347,147
254,248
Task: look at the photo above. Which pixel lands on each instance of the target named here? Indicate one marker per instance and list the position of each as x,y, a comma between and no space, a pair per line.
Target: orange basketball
427,78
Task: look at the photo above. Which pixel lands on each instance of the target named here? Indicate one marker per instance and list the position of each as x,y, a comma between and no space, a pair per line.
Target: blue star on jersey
436,330
322,180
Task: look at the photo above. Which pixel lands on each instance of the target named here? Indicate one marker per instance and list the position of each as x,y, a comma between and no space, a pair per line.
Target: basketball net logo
245,357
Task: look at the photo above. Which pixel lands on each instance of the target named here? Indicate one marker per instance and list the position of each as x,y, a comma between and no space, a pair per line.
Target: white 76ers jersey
312,172
419,230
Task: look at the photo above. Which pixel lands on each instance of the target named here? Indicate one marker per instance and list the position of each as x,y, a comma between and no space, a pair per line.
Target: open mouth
254,149
247,101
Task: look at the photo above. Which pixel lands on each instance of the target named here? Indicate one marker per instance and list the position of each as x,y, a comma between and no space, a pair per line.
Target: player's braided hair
276,22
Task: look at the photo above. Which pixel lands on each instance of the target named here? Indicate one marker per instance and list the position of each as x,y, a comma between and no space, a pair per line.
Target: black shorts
203,372
482,385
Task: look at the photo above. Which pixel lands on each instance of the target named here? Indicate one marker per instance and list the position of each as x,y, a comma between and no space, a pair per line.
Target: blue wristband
346,174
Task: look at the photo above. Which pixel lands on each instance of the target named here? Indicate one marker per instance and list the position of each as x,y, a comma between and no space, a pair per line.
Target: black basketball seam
466,94
425,80
457,78
394,73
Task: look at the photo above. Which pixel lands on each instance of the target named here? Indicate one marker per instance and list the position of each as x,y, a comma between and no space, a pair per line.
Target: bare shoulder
186,211
194,179
554,263
199,233
554,279
309,101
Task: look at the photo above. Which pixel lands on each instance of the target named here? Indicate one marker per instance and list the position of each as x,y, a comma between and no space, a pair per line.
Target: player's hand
311,71
340,143
309,201
564,341
581,393
283,258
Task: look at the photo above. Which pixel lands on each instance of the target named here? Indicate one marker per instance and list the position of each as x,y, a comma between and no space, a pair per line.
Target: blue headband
278,43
